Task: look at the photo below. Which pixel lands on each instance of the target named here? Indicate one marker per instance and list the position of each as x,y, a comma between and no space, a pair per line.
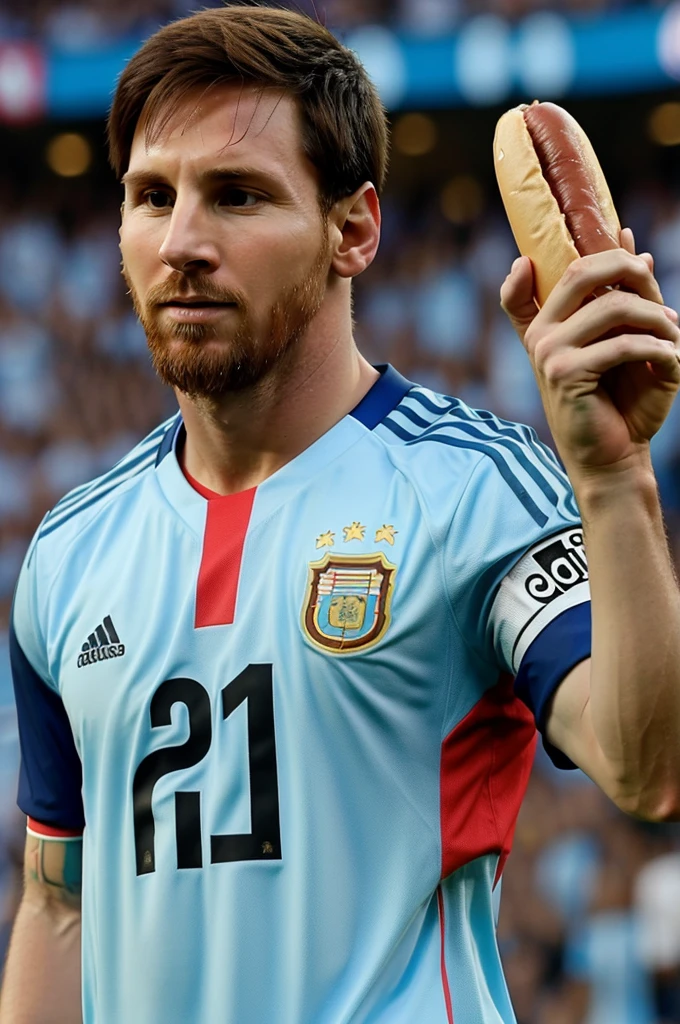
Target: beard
245,359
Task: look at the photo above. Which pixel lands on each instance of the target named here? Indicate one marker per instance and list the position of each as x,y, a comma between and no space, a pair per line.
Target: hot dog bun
553,189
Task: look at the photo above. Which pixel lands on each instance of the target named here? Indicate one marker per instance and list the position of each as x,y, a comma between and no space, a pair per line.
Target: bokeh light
69,155
664,124
462,199
415,134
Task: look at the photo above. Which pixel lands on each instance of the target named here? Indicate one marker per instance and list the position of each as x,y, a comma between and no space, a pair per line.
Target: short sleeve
50,776
526,602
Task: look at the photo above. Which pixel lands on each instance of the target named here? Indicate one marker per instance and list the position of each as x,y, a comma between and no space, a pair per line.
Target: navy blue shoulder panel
50,777
169,436
384,396
556,650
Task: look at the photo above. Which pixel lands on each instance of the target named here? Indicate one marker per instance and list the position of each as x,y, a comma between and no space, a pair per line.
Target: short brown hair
344,128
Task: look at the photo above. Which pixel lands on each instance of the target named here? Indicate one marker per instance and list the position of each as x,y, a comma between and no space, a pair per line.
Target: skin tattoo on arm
57,866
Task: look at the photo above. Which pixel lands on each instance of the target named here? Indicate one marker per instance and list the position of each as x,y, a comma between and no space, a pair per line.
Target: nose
189,243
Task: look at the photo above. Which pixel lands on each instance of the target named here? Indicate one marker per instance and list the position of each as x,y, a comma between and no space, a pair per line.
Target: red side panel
485,765
445,977
226,526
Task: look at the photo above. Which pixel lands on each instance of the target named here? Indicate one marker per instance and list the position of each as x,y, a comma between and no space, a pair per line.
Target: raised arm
608,369
42,974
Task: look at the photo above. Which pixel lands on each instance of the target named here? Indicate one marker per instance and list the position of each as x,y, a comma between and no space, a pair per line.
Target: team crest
347,604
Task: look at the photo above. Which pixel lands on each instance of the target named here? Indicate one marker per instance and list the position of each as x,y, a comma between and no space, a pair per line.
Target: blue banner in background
82,84
488,61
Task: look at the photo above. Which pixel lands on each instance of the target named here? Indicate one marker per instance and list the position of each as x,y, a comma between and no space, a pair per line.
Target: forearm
41,982
634,703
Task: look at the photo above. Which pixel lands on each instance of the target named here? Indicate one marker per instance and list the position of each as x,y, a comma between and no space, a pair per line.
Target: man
279,638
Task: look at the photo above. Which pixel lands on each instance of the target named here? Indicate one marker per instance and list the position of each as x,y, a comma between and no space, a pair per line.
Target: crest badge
347,604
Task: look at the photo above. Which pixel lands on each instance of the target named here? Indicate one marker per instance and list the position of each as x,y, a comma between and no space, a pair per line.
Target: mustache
181,288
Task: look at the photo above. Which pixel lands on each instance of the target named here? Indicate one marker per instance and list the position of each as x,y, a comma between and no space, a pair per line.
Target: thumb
517,295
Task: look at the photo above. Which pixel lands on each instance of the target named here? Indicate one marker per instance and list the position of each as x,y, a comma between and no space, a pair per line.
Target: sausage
554,192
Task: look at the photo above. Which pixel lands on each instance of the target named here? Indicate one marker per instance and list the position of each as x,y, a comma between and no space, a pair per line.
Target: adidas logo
104,643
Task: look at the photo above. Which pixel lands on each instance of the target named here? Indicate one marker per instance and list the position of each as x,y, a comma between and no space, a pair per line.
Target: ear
354,231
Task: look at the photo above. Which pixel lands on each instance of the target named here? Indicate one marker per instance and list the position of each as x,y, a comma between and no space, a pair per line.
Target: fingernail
671,314
516,263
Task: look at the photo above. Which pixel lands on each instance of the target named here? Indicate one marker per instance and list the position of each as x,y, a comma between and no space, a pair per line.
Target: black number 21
254,684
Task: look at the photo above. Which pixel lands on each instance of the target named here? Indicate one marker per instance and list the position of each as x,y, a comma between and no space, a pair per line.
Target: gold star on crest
354,532
326,540
386,533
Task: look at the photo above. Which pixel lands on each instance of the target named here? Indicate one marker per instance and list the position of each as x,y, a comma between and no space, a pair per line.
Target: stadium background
590,916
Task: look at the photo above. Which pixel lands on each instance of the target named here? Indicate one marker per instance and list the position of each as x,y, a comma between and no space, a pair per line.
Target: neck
238,440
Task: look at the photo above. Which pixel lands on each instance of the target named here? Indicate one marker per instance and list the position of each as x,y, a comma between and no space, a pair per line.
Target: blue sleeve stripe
50,775
485,449
501,464
557,649
510,445
148,444
498,429
82,497
120,471
59,516
486,421
461,412
412,415
427,402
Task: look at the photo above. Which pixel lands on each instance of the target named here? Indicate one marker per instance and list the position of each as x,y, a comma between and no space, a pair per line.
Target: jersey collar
377,403
384,396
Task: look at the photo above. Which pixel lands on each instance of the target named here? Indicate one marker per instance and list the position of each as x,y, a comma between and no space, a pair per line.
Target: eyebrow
214,176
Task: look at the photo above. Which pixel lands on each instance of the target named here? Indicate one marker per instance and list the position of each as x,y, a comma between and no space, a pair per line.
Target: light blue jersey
302,749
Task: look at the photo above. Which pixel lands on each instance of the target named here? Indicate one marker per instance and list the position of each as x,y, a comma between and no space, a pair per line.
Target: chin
207,370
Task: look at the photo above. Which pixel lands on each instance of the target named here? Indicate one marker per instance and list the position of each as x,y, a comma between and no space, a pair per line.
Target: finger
517,295
517,291
615,312
649,260
594,273
627,240
602,356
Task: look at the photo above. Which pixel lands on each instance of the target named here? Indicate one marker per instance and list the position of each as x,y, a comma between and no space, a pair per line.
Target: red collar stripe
226,526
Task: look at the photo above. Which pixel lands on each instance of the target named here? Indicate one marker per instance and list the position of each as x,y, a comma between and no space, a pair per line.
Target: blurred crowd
87,24
590,919
589,926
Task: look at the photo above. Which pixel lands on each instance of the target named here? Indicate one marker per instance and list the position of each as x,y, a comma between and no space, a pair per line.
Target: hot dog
553,189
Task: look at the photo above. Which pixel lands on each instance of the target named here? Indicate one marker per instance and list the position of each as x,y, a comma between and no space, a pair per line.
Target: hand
605,352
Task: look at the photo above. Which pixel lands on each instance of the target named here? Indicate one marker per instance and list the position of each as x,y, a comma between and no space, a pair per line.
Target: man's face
224,247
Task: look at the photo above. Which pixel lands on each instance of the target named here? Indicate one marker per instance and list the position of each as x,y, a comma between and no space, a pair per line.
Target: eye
239,197
156,199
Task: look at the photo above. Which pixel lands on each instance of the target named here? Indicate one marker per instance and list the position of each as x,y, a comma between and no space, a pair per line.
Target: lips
195,303
195,310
